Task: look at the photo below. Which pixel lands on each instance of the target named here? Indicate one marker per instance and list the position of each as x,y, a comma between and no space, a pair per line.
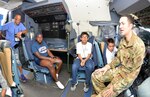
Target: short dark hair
85,33
110,40
130,18
17,14
37,34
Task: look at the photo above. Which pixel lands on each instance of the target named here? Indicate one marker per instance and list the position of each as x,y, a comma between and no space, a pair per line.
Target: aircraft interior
61,23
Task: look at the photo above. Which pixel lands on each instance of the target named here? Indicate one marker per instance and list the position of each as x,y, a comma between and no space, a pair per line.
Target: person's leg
89,65
3,84
89,69
19,65
119,85
98,80
5,62
59,62
49,65
75,67
3,92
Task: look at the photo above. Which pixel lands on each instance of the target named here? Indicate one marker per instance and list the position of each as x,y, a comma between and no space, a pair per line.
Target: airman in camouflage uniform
125,67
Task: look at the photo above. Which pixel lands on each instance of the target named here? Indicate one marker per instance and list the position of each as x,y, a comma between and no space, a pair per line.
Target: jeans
89,67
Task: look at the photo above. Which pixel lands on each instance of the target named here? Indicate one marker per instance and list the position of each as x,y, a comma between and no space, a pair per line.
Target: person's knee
92,75
74,66
60,62
90,68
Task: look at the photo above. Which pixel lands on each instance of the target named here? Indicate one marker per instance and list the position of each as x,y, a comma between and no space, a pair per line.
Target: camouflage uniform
130,57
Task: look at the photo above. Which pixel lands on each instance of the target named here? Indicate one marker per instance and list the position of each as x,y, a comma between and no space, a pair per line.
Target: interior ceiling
144,16
11,4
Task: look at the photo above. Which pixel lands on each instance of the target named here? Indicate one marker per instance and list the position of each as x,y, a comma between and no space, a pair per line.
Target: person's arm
78,51
5,27
80,57
50,53
3,84
136,65
23,30
41,57
88,57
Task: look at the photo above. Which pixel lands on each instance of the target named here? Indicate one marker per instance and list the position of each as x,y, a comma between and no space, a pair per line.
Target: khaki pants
111,76
5,61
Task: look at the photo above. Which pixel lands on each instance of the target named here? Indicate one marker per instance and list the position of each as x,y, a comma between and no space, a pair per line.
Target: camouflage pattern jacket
129,60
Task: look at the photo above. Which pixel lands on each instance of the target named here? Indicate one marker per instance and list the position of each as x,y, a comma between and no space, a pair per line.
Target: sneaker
86,87
9,92
13,84
23,78
73,87
60,85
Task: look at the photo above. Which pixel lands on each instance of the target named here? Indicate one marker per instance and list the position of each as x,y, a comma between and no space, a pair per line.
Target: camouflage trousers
113,77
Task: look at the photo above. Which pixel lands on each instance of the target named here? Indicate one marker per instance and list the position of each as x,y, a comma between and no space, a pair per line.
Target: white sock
13,84
57,75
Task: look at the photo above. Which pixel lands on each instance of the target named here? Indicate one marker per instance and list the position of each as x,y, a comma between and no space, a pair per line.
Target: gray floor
36,89
78,92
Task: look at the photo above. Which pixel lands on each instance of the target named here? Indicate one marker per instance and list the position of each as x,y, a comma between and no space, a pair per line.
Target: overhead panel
45,10
129,6
88,10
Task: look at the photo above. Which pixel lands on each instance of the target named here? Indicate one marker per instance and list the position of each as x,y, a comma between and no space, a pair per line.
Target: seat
9,67
99,55
103,47
41,73
6,63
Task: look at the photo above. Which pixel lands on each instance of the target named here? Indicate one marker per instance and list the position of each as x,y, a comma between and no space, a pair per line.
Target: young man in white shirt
110,50
84,51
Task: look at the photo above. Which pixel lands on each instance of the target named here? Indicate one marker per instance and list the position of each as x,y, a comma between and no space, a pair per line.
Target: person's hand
101,70
55,57
82,63
51,59
18,35
109,92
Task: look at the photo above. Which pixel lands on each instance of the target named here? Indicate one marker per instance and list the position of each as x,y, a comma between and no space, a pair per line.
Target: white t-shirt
110,55
84,50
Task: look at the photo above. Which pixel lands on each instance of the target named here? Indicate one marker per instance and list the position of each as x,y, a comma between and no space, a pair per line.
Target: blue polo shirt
11,29
40,48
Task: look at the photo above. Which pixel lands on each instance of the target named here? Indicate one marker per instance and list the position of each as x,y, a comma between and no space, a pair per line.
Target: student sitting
45,58
110,50
83,50
4,85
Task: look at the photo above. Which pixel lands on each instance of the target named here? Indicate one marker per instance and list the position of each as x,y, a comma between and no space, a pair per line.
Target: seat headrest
90,34
4,44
